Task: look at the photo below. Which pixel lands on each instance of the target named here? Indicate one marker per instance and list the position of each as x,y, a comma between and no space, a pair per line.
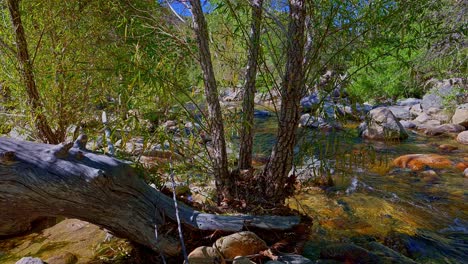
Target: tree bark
39,180
275,174
224,184
46,134
246,137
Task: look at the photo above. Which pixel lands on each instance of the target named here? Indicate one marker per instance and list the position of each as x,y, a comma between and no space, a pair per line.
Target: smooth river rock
417,162
461,115
463,138
203,255
239,244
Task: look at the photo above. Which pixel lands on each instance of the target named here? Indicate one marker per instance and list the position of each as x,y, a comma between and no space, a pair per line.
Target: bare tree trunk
66,180
275,174
246,137
224,184
26,70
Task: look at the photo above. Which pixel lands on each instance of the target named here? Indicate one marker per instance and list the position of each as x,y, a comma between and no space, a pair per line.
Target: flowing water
423,217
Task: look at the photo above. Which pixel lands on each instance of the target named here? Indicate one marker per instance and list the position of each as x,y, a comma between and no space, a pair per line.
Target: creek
425,218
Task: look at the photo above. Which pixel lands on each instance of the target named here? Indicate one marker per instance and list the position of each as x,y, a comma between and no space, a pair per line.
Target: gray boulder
401,112
382,125
443,129
461,115
308,120
440,93
416,110
310,101
407,124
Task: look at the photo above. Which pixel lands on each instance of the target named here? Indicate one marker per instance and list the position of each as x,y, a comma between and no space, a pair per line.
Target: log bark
39,180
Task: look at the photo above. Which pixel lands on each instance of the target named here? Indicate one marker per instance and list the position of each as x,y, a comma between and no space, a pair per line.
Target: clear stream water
423,217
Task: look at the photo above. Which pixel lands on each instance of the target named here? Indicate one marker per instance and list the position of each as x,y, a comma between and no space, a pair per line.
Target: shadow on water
423,218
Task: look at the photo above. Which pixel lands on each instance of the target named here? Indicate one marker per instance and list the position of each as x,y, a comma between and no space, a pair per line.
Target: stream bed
422,217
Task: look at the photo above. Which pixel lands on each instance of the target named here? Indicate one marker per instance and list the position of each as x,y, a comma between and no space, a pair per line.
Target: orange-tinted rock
462,165
447,148
418,162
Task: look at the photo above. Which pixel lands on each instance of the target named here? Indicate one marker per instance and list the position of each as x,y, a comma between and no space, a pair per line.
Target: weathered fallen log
67,180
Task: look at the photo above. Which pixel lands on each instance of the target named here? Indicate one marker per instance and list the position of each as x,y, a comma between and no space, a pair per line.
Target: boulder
443,129
416,110
465,173
437,97
423,118
460,117
408,102
239,244
382,125
310,101
204,255
463,138
308,120
417,162
401,112
407,124
30,260
439,114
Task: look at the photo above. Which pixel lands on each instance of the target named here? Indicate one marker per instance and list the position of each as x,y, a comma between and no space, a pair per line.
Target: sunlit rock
463,138
418,162
30,260
461,115
240,244
382,125
204,255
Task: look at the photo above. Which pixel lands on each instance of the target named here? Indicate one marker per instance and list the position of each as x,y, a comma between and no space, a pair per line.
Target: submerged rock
239,244
447,148
382,125
349,253
417,162
65,258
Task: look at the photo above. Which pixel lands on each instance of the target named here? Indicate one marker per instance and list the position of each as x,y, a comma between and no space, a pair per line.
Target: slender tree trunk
275,174
246,137
26,70
224,183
